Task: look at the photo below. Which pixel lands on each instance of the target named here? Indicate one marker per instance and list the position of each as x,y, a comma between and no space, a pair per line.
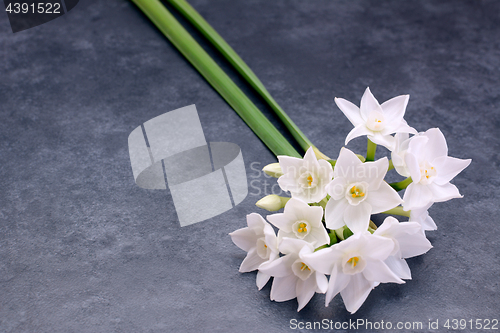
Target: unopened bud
272,202
273,170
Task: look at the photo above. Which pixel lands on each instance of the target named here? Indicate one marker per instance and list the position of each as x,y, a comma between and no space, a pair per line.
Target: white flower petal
288,182
284,288
399,267
421,216
375,247
321,283
346,165
323,260
384,140
319,235
448,167
336,188
280,221
436,147
293,246
290,164
251,262
244,238
373,173
368,104
356,292
403,127
412,245
357,131
443,192
262,279
350,110
416,196
334,213
280,267
338,281
413,167
255,221
395,107
305,291
377,271
357,218
416,147
383,199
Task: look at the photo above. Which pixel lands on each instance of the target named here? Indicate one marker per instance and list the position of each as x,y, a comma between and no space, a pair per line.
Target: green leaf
227,51
219,80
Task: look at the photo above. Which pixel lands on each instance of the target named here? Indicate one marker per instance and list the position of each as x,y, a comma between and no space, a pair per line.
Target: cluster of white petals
325,227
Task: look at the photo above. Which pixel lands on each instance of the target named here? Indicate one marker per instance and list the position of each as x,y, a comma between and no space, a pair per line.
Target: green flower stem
227,51
370,151
391,166
219,80
398,211
402,184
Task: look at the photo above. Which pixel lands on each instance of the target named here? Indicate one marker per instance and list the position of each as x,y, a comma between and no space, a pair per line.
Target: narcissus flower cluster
325,228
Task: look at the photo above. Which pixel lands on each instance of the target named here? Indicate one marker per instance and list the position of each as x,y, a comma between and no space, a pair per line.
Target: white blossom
375,120
357,191
305,178
431,170
259,240
301,221
356,265
293,277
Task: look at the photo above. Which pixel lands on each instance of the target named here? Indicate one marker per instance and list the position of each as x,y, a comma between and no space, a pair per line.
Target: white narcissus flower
431,170
305,178
356,265
293,277
259,240
357,191
301,221
409,241
375,120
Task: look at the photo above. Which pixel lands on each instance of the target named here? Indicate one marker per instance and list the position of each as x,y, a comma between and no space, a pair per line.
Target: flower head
259,240
431,170
301,221
293,276
305,178
409,241
357,191
375,120
356,266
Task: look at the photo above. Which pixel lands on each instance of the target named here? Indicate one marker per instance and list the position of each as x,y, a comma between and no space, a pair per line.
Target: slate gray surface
83,249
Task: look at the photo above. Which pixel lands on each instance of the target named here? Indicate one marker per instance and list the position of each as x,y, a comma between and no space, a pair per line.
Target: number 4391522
478,324
40,8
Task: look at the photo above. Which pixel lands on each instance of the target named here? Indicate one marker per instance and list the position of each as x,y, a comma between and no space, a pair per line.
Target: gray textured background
83,249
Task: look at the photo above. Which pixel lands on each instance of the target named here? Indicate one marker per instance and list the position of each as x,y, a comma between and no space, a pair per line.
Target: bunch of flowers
326,228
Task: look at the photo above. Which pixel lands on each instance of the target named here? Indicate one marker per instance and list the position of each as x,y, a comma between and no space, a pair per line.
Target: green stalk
227,51
370,151
397,211
183,41
391,165
402,184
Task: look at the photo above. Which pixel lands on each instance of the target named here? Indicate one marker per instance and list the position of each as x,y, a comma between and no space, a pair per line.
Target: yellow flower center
304,267
302,227
356,192
353,261
309,180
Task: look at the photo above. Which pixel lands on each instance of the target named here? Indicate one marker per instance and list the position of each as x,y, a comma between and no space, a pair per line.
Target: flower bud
273,170
272,202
